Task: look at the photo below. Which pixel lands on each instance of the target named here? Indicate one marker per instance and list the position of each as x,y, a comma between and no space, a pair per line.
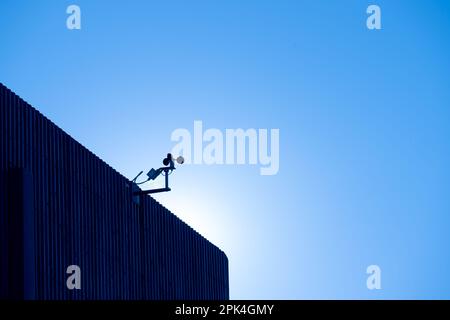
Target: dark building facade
61,205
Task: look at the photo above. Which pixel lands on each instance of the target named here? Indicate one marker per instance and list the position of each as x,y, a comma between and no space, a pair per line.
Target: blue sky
363,117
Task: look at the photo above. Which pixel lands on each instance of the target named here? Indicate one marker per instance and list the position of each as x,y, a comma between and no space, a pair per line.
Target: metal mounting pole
143,192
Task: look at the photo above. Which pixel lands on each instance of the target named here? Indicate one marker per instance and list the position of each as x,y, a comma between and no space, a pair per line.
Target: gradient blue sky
363,118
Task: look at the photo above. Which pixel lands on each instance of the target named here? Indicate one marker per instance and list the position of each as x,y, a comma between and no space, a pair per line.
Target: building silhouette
61,205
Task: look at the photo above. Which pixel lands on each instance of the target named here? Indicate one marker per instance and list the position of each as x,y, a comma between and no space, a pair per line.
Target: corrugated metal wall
83,214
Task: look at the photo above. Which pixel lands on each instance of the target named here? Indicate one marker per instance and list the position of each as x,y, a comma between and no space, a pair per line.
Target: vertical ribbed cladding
85,216
4,111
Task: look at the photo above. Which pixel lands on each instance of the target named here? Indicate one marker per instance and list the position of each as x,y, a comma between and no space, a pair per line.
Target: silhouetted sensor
152,174
167,160
180,160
